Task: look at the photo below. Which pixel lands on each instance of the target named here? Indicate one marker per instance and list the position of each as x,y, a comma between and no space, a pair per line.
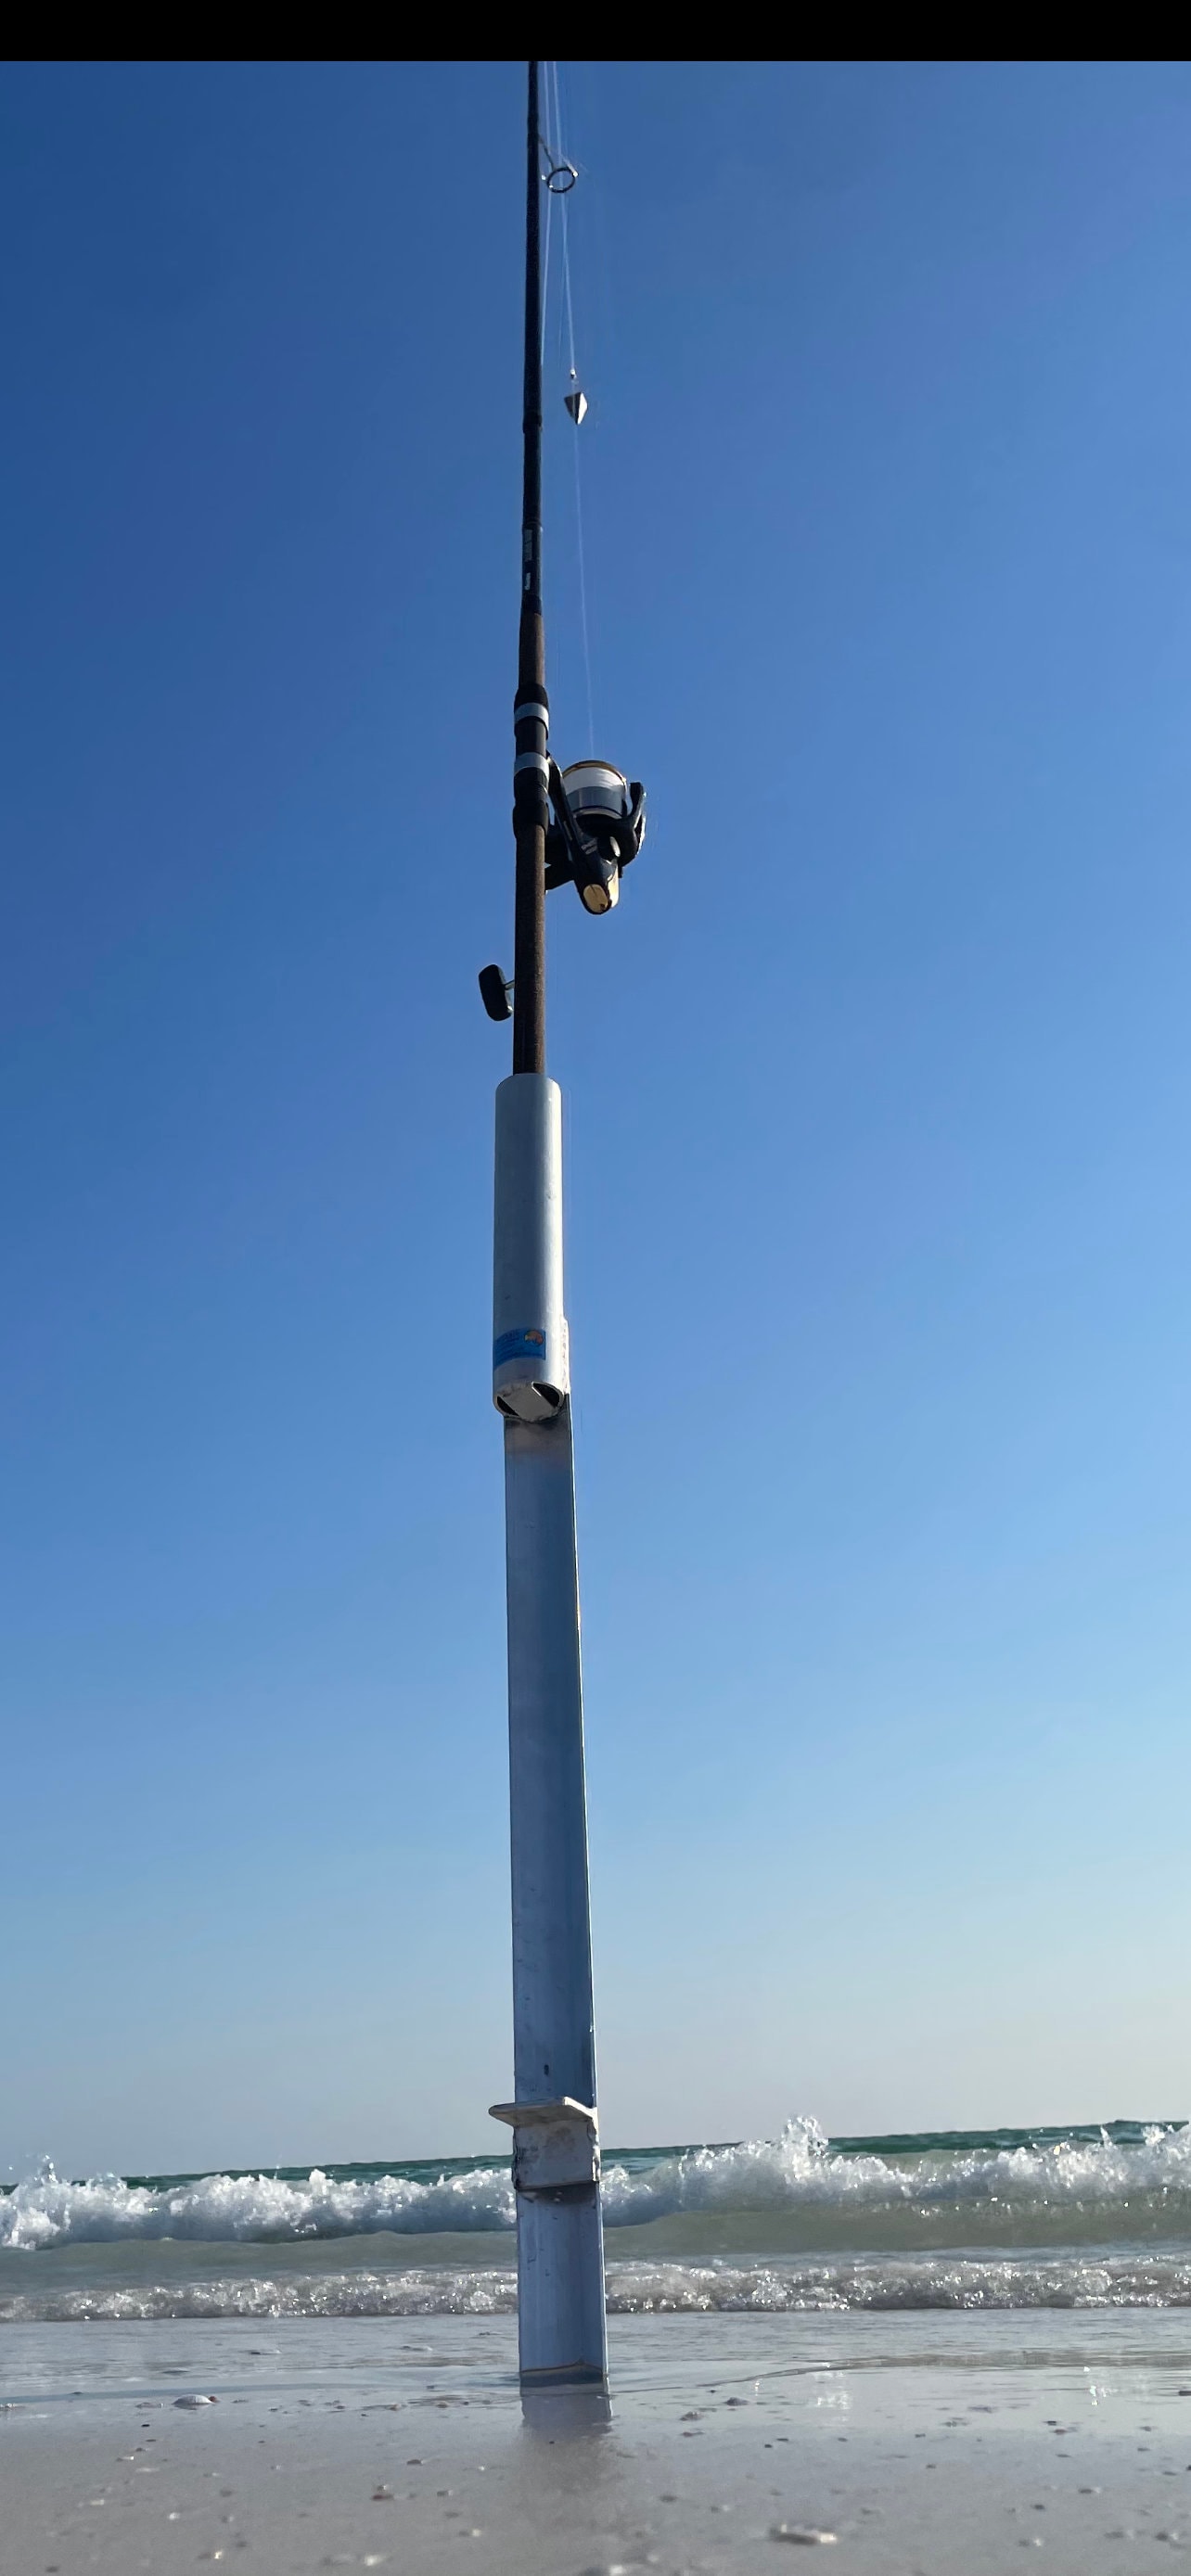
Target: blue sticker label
526,1343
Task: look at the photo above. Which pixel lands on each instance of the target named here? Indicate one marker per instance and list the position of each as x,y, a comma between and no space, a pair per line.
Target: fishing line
551,162
568,313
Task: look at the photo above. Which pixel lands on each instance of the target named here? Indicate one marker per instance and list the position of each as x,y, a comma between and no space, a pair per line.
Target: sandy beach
908,2443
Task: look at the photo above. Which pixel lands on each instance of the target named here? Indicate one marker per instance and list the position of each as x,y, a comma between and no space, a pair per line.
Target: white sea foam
634,2289
798,2170
958,2282
248,2209
793,2175
411,2292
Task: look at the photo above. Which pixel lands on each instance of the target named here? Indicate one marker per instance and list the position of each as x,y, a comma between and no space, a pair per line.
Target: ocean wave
249,2208
796,2174
643,2289
634,2289
799,2170
411,2292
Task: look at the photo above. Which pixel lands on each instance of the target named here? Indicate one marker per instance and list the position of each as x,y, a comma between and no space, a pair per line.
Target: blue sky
876,1095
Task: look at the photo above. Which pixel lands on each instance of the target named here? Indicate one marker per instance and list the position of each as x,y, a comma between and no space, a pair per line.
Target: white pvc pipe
560,2254
530,1360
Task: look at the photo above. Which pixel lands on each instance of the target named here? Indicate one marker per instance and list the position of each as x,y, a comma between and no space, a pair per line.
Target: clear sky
877,1095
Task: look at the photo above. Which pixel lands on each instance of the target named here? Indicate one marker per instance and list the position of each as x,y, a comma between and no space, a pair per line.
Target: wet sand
907,2443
